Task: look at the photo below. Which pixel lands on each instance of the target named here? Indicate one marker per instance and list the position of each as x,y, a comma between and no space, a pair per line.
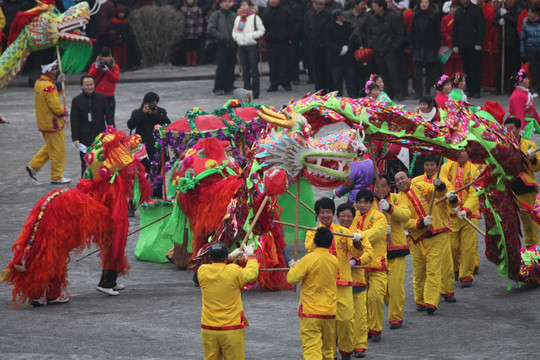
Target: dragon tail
13,59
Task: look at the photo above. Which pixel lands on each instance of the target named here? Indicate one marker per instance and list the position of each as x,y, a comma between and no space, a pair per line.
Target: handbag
261,42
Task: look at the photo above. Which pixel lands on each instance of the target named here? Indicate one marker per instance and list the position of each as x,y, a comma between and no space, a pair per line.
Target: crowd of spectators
482,38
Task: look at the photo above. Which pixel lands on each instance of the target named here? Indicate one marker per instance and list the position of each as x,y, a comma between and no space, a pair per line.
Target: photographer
106,74
143,120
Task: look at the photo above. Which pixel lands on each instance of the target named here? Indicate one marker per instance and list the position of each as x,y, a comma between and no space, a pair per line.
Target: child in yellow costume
345,215
397,248
50,115
343,249
427,238
463,238
441,211
525,186
373,224
318,304
222,318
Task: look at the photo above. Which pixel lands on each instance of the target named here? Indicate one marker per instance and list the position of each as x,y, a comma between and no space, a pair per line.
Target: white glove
437,182
384,205
76,143
455,49
292,262
531,153
357,237
61,78
461,214
344,50
446,7
501,22
388,229
428,220
248,250
235,254
451,195
502,11
352,262
477,47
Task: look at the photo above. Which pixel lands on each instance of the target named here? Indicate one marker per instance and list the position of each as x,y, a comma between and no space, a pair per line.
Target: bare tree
156,29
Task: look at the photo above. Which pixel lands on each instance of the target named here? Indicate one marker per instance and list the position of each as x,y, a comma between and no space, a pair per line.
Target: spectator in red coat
107,10
490,49
453,65
118,30
106,74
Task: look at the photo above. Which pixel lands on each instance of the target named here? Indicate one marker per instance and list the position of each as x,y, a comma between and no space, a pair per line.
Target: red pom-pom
276,181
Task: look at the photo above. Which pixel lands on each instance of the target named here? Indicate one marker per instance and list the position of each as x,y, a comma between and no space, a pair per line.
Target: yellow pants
447,267
426,260
530,228
53,150
464,245
318,338
360,321
395,296
376,291
345,319
223,344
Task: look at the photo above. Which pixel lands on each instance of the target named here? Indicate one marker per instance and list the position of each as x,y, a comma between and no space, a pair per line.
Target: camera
152,107
103,66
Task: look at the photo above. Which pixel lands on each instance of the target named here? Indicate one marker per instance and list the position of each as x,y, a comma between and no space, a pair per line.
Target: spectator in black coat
425,41
315,22
279,24
340,49
385,37
467,38
144,120
90,114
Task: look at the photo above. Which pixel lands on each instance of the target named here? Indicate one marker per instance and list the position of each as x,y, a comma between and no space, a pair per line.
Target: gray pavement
158,315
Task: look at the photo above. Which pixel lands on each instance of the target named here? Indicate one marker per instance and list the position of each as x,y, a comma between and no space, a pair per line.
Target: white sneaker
118,287
59,300
107,291
38,302
61,181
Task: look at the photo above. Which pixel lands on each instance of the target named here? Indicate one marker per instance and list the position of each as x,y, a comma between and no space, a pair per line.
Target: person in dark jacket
144,120
220,29
425,41
507,18
530,45
90,115
119,32
315,22
385,37
467,38
340,49
279,24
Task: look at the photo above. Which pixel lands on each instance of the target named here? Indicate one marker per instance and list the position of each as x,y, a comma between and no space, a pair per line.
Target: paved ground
158,315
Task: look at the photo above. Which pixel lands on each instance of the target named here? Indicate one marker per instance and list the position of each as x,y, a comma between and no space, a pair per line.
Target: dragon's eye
306,131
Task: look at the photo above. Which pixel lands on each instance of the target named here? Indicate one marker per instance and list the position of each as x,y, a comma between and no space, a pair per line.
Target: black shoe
450,299
475,271
360,354
420,308
272,88
31,172
466,284
395,326
430,309
376,337
287,87
345,357
456,275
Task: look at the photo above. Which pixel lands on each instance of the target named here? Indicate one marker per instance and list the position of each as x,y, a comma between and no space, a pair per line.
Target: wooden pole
502,54
434,189
311,229
375,169
460,189
131,233
254,222
301,202
164,181
475,227
287,269
297,219
63,84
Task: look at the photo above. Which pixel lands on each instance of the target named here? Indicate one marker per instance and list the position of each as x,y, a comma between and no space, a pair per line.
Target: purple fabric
361,177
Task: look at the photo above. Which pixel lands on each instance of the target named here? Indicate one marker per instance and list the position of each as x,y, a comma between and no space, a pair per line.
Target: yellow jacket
418,199
221,300
459,176
50,112
342,248
398,215
358,274
318,273
528,177
373,225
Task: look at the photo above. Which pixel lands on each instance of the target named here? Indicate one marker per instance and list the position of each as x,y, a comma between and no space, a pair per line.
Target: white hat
48,67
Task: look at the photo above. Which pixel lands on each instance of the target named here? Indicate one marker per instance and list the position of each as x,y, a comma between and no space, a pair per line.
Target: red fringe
273,257
63,229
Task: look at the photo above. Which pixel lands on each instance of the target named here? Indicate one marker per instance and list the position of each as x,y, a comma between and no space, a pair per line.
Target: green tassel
136,192
76,56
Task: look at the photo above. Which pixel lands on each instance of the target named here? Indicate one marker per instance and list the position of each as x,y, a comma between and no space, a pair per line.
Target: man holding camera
106,74
90,115
143,120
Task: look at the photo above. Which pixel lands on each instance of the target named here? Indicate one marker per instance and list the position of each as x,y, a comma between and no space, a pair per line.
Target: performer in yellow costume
222,318
463,238
343,249
397,248
525,187
50,114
